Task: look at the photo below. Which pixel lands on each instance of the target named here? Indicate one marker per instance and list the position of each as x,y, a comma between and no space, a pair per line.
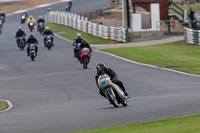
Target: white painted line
142,64
9,105
134,62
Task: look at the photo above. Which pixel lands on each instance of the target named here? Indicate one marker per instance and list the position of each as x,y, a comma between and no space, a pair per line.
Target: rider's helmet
46,28
31,35
31,16
83,42
78,35
40,17
49,9
2,11
100,67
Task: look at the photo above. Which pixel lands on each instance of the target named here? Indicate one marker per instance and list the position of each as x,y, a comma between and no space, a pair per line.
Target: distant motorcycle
113,92
2,18
23,19
85,57
31,26
40,27
48,42
32,52
21,42
77,55
1,26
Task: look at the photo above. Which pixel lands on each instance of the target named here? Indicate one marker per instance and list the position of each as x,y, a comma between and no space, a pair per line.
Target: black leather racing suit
76,41
113,77
32,41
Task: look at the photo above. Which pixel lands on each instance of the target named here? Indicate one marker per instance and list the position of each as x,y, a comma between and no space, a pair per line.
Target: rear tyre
124,103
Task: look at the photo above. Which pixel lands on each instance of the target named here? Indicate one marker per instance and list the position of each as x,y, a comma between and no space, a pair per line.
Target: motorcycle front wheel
85,62
111,97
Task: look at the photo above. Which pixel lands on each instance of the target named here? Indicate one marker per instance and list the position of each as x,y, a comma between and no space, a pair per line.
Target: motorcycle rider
40,20
68,7
25,15
32,40
102,69
20,33
77,40
48,10
47,32
3,16
84,44
30,19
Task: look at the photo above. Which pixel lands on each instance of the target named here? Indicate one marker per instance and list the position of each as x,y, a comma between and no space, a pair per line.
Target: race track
54,94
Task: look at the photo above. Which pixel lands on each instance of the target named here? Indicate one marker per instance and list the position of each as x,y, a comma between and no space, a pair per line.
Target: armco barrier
192,36
81,23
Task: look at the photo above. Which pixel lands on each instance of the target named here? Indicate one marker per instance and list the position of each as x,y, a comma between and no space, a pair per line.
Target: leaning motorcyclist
20,33
77,40
3,16
47,32
31,19
32,40
40,20
102,69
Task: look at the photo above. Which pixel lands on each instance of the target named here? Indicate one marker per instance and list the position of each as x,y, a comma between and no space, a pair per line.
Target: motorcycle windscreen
32,46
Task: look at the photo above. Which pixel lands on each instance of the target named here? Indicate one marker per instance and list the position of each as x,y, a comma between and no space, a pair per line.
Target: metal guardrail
192,36
81,23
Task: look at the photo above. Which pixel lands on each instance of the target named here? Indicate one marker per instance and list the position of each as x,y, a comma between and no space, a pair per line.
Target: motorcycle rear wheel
124,103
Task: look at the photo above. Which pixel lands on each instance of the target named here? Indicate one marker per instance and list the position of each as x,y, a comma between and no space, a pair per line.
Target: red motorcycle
31,26
85,57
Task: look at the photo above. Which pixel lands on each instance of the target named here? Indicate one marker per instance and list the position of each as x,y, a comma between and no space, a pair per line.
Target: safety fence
81,23
192,36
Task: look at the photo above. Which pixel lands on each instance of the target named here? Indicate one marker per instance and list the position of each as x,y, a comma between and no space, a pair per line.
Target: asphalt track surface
54,94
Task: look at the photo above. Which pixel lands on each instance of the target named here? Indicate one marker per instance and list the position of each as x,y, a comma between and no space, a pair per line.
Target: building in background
114,3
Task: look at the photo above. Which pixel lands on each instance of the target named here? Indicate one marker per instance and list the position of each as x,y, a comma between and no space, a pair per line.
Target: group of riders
32,39
100,67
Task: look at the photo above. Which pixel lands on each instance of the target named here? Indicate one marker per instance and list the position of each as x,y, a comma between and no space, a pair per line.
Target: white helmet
19,28
2,11
78,35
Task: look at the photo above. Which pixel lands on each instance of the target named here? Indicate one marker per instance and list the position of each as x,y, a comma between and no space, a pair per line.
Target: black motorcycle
23,19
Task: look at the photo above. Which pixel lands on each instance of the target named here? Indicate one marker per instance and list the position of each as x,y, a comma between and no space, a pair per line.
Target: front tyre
85,62
111,97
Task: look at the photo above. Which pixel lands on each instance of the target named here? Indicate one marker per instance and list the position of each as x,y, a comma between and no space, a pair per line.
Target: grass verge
71,33
177,55
3,105
188,124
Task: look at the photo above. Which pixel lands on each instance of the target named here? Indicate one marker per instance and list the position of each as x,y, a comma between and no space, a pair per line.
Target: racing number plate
103,82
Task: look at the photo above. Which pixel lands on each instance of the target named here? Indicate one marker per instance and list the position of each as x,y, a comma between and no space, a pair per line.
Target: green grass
3,105
175,55
188,124
71,33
